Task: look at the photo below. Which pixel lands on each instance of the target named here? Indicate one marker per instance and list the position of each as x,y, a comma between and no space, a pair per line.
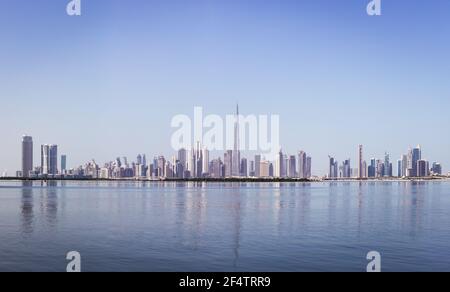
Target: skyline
108,83
198,163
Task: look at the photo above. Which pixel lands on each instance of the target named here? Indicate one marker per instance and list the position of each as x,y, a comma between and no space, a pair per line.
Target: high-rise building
333,168
360,162
404,172
399,167
422,168
205,162
371,171
236,159
302,164
244,167
292,167
27,155
416,156
387,165
228,163
436,168
257,165
265,169
346,169
279,163
63,164
49,159
308,167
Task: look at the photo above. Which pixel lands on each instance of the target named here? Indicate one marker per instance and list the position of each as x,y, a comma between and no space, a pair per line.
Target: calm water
224,227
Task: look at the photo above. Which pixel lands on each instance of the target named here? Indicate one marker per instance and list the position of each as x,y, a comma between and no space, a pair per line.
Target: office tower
63,164
380,168
27,155
346,169
125,162
161,167
399,167
333,168
364,172
308,167
228,163
371,170
302,164
139,159
244,168
257,165
271,171
205,161
236,159
292,167
182,158
360,162
252,169
416,156
144,160
422,169
44,159
216,168
404,165
264,167
436,168
387,165
49,159
279,165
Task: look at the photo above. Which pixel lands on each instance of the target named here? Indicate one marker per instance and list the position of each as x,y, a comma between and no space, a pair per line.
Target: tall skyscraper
302,164
292,166
63,164
49,159
308,167
228,163
27,155
257,165
205,161
236,150
416,156
387,165
244,167
360,162
333,168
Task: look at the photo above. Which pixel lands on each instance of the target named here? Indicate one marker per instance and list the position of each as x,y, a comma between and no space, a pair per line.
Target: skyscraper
205,161
308,167
360,162
292,166
63,164
236,161
49,159
228,163
244,167
27,155
333,168
257,165
302,164
416,156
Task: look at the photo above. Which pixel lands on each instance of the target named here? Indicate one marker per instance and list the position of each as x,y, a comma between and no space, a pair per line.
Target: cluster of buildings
409,165
196,163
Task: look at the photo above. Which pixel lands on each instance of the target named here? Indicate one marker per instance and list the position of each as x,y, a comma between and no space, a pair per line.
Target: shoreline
227,180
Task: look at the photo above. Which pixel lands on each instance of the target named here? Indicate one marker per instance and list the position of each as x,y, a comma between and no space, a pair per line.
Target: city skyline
108,83
196,163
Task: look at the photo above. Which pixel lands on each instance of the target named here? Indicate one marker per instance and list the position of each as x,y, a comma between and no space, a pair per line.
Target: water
121,226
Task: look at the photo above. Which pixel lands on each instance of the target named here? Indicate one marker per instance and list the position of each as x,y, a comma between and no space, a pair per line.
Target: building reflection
27,207
49,201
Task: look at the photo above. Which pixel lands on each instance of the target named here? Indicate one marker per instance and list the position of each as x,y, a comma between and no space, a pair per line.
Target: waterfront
176,226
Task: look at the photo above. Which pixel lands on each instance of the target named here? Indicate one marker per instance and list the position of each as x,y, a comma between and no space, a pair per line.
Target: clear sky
108,83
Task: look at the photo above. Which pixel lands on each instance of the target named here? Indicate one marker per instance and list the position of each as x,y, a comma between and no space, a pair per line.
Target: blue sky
107,84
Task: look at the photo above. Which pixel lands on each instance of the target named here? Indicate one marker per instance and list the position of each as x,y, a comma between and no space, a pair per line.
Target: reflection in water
49,201
27,207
